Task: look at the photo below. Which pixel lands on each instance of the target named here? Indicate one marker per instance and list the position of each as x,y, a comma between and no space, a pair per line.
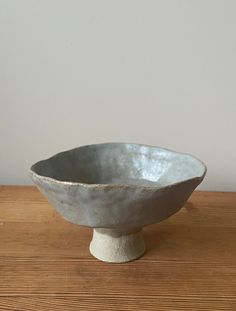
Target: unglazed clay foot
113,245
117,189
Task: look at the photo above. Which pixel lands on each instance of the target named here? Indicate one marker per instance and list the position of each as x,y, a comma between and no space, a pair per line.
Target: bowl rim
33,174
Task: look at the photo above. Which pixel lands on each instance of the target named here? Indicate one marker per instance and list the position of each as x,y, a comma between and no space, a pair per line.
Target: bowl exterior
114,206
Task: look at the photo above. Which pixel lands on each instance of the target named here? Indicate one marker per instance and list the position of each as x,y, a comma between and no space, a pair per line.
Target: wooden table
190,263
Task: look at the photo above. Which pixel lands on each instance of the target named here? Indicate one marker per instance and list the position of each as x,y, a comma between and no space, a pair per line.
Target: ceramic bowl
117,189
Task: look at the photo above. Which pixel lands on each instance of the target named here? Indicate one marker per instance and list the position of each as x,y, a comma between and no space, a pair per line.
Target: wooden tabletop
45,264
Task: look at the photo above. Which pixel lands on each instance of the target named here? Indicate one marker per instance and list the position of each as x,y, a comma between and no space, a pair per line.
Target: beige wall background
154,72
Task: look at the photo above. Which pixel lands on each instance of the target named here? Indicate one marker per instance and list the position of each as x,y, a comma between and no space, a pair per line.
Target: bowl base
117,246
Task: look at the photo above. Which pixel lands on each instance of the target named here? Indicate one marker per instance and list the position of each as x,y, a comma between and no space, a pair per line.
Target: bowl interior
120,163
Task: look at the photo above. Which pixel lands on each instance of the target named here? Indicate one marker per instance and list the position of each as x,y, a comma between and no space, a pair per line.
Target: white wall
154,72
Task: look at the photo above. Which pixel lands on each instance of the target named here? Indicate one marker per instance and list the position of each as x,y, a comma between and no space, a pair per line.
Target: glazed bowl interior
120,163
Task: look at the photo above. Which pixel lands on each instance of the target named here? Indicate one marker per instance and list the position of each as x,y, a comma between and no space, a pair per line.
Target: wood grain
190,263
72,303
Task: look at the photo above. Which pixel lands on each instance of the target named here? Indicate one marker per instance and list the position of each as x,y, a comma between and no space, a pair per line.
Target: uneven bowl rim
118,185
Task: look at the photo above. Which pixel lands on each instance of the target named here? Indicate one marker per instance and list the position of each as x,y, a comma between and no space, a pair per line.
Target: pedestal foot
117,246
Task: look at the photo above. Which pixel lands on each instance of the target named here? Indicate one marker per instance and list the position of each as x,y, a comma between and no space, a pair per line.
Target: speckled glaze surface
118,186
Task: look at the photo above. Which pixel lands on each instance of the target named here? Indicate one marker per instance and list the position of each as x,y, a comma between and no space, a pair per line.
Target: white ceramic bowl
117,189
